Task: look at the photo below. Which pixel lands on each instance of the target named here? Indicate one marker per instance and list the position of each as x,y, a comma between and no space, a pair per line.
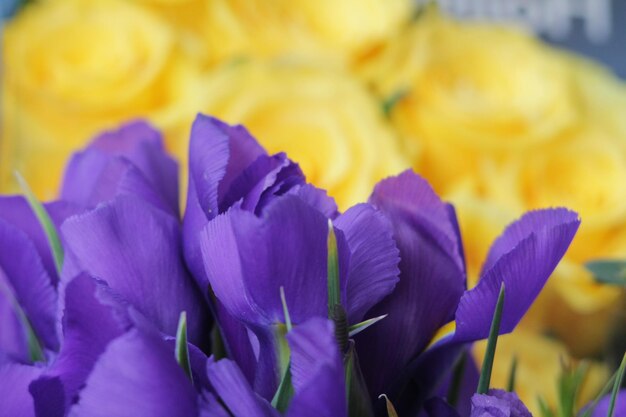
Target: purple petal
317,198
218,153
235,392
93,177
498,403
544,236
25,283
136,142
602,409
248,259
13,337
438,407
432,279
317,371
210,407
90,321
137,375
263,174
373,261
16,400
16,211
136,249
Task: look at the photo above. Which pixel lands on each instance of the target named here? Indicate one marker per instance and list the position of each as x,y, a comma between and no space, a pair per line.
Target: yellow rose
472,94
330,29
75,67
323,119
539,366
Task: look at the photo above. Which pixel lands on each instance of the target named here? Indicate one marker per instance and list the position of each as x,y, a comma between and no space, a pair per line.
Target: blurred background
504,106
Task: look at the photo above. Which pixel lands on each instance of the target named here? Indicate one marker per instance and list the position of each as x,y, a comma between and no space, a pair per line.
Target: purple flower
431,291
317,375
602,408
498,403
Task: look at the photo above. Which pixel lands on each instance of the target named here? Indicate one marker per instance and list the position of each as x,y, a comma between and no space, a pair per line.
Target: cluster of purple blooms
249,265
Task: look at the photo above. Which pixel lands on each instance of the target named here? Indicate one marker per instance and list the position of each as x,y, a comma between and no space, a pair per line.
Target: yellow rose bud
324,120
73,68
539,362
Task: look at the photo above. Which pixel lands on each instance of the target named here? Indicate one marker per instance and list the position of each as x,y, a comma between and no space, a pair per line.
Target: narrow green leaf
285,392
35,351
391,411
611,272
45,221
569,385
490,353
181,349
283,300
334,295
390,102
359,327
512,375
457,378
616,386
600,395
545,410
359,403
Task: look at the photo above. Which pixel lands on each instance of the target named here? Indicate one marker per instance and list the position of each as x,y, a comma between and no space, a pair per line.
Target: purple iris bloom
432,289
121,233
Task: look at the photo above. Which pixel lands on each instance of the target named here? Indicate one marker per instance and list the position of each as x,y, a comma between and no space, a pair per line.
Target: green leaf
359,327
35,351
283,300
616,386
391,411
182,349
512,375
490,353
611,272
285,392
390,102
334,291
569,386
600,395
545,410
359,403
457,378
45,221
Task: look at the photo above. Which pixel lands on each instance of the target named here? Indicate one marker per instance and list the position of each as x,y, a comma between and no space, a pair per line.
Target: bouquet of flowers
264,300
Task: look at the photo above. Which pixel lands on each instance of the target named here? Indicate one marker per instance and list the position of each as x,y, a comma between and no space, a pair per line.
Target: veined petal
432,279
90,322
317,371
14,380
248,259
544,236
218,153
373,259
136,250
137,375
26,285
235,392
136,142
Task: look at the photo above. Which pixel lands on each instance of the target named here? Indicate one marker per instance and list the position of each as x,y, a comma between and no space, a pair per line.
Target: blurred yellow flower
503,124
322,118
74,67
539,366
336,31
